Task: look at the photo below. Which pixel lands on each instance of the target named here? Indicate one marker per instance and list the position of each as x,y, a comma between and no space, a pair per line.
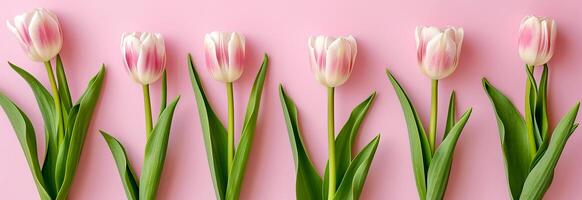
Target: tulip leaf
79,132
440,166
128,177
419,147
250,122
164,92
64,147
214,135
345,140
540,177
355,176
451,114
531,94
541,111
308,184
514,140
46,106
155,153
27,138
64,92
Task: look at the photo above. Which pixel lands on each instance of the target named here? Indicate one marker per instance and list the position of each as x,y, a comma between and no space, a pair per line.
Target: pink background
385,35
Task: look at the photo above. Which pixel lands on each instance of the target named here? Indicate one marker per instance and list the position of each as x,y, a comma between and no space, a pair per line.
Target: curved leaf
308,183
246,141
355,177
450,115
540,177
64,92
126,173
155,153
419,147
440,166
214,135
514,140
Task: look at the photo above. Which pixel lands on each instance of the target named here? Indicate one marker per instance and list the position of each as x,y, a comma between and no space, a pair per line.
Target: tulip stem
433,115
230,136
529,114
148,110
331,143
57,99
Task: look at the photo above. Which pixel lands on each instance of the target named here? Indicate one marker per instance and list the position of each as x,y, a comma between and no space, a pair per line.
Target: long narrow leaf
308,183
25,134
64,92
155,154
214,135
514,140
419,147
128,178
355,177
79,131
440,166
531,94
164,93
246,141
451,114
541,111
540,177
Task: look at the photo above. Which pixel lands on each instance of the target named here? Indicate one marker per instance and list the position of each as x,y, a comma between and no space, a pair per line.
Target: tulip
224,55
39,34
438,51
332,59
537,36
144,56
438,56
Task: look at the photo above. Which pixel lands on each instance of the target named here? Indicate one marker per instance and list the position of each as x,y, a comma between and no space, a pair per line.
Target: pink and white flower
224,55
438,50
537,36
332,59
39,34
144,56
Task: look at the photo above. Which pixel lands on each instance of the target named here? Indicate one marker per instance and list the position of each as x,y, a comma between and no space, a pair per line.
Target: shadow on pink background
385,35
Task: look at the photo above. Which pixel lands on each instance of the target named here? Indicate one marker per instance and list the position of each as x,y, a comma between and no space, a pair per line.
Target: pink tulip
537,36
144,56
438,50
224,55
39,34
332,59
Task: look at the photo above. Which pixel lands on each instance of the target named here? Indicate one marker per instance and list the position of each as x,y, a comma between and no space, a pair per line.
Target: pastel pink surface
385,35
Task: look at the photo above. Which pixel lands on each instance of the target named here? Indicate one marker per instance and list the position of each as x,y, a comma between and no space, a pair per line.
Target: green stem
331,144
57,99
529,115
148,110
433,115
230,136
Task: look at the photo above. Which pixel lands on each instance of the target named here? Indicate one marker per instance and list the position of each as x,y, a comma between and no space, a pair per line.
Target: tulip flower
537,36
39,34
438,56
332,59
438,51
144,57
224,55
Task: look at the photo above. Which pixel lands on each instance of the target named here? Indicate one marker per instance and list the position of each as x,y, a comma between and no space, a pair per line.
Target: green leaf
64,92
450,115
214,135
79,131
540,177
25,134
308,183
64,148
246,141
155,154
514,140
46,106
126,173
164,93
345,140
419,147
531,94
440,166
355,176
541,110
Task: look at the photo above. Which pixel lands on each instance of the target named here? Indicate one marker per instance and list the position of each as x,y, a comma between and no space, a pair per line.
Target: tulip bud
224,55
332,59
537,36
438,51
144,56
39,34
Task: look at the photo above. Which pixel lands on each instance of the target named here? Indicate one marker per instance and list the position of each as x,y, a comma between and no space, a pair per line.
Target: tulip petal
45,35
236,56
440,57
